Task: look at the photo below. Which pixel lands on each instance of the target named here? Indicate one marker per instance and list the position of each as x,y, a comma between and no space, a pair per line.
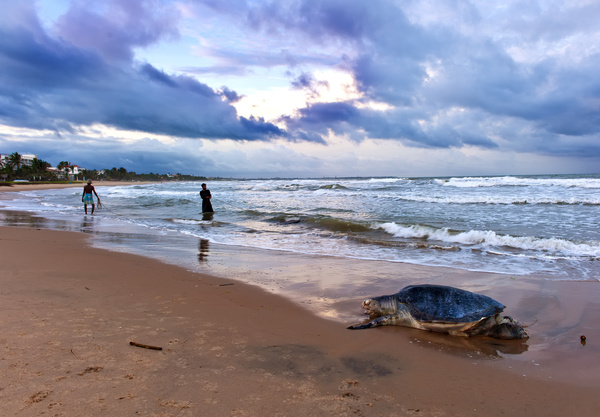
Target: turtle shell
447,304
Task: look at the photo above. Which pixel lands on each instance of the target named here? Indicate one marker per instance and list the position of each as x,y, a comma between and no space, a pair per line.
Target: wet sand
40,186
70,311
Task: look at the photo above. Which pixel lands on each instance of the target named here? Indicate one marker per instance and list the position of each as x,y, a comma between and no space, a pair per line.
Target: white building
76,169
26,159
70,172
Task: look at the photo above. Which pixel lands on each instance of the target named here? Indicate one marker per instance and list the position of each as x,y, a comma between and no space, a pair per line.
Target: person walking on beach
87,197
205,196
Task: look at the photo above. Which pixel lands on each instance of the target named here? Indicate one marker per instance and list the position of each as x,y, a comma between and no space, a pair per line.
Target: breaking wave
590,249
507,200
474,182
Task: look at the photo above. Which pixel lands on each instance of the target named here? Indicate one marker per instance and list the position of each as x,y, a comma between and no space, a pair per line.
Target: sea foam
492,239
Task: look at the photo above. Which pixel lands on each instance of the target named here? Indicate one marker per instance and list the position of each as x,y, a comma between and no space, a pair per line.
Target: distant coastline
48,185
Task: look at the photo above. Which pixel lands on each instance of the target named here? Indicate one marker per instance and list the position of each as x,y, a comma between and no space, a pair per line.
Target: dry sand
69,312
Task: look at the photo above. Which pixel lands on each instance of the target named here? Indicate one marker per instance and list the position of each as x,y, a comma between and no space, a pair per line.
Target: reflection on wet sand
87,224
21,219
483,347
203,249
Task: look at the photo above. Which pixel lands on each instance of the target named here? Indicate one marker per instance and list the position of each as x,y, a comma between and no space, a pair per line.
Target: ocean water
543,226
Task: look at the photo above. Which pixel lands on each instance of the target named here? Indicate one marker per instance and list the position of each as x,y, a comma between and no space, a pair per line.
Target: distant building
76,169
69,173
26,159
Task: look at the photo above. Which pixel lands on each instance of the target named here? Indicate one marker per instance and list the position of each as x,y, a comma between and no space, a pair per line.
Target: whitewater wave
500,200
475,182
60,207
150,193
392,180
188,221
590,249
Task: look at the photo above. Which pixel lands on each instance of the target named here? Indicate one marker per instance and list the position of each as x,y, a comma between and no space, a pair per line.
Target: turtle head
380,306
507,328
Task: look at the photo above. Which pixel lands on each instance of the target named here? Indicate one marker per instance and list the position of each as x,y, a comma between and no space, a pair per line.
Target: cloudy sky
304,88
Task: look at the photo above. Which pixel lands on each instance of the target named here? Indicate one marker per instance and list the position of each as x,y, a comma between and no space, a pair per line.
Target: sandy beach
70,311
16,187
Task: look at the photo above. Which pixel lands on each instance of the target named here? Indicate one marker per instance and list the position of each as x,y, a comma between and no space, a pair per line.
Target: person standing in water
205,196
87,197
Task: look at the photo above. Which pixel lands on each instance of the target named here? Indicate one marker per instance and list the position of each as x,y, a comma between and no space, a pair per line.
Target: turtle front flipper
379,321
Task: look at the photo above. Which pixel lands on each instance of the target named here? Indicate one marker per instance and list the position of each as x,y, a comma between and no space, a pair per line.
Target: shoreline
35,187
228,348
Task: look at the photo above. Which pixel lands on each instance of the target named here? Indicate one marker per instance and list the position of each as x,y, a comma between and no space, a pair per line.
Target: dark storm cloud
517,76
326,114
304,80
49,83
358,124
230,95
112,28
427,70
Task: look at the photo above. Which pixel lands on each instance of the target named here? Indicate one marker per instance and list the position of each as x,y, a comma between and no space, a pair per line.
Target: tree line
14,168
121,174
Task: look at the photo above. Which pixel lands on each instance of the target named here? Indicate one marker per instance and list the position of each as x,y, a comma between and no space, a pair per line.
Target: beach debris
39,396
347,383
583,340
145,346
180,405
225,285
73,353
442,309
90,369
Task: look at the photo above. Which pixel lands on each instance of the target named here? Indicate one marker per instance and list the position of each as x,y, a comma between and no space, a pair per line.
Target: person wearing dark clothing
205,196
87,197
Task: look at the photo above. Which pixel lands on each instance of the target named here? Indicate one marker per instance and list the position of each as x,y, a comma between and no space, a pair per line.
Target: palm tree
14,160
122,173
91,174
4,170
38,167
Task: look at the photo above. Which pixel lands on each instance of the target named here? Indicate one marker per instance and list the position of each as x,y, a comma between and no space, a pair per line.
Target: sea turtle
439,308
